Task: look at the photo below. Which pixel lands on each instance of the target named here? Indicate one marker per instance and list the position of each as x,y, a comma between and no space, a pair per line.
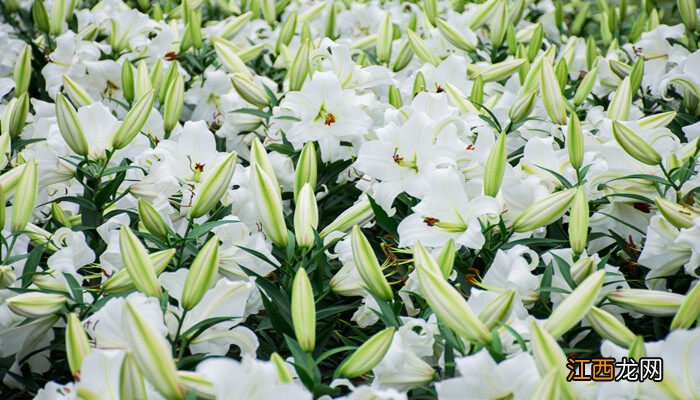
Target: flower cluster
338,199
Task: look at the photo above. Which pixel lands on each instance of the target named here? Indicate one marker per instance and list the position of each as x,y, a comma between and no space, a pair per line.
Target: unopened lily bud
635,146
515,12
385,37
545,349
283,374
619,107
657,120
358,214
76,93
446,258
403,57
477,93
395,97
578,222
156,75
25,197
591,51
305,217
138,263
562,73
495,166
689,14
421,49
636,75
7,276
300,68
195,28
304,311
120,281
638,27
40,16
259,157
655,303
582,268
287,30
174,103
133,122
609,327
368,355
60,216
368,266
418,84
544,212
77,344
499,24
689,311
202,274
679,216
575,306
430,10
36,304
619,68
227,54
482,13
454,36
151,219
142,80
458,99
445,301
535,43
574,141
57,17
585,87
268,204
306,169
522,106
498,309
214,187
500,71
551,95
167,80
18,116
5,149
23,70
249,91
131,383
152,354
637,349
127,76
511,40
194,382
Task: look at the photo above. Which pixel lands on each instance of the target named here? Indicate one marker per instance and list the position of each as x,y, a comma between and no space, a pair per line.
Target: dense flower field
294,199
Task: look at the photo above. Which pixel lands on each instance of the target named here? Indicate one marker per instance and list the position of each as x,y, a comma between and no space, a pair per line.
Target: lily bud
403,57
40,16
561,71
227,54
368,355
249,91
283,374
57,17
522,106
25,197
446,258
610,328
300,67
197,383
499,24
477,93
170,76
578,221
482,13
657,120
689,310
138,263
635,146
142,80
636,75
156,75
134,121
454,36
120,281
152,220
421,49
544,212
174,102
7,276
689,14
305,217
582,268
127,75
545,349
59,215
268,204
202,274
619,107
395,97
418,84
495,166
551,95
430,10
36,304
287,30
385,37
498,309
535,42
306,169
304,311
511,40
77,344
679,216
637,349
500,71
18,114
575,306
76,93
445,301
655,303
23,70
5,149
458,99
152,354
574,141
368,266
131,384
214,187
358,214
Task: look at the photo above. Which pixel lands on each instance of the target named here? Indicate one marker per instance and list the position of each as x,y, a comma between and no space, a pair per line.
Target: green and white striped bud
551,95
585,87
533,48
202,274
214,187
385,37
152,354
304,311
120,281
283,374
36,304
138,263
197,383
23,70
395,97
368,266
459,99
499,24
574,141
689,311
403,57
446,258
483,13
421,49
495,166
545,349
582,268
305,217
57,17
258,156
142,81
430,10
445,301
620,68
454,36
368,355
689,14
168,79
561,71
499,71
77,343
619,107
578,221
40,16
301,67
657,120
249,91
636,75
591,52
306,169
127,76
511,40
522,106
5,150
655,303
544,212
637,349
16,115
418,84
477,94
575,306
287,30
25,197
358,214
7,276
635,146
174,103
268,205
679,216
131,382
76,93
133,122
498,309
610,328
195,28
227,53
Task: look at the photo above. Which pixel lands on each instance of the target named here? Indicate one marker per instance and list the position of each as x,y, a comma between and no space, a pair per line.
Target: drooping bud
454,36
544,212
635,146
36,304
249,91
421,49
655,303
358,214
609,327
